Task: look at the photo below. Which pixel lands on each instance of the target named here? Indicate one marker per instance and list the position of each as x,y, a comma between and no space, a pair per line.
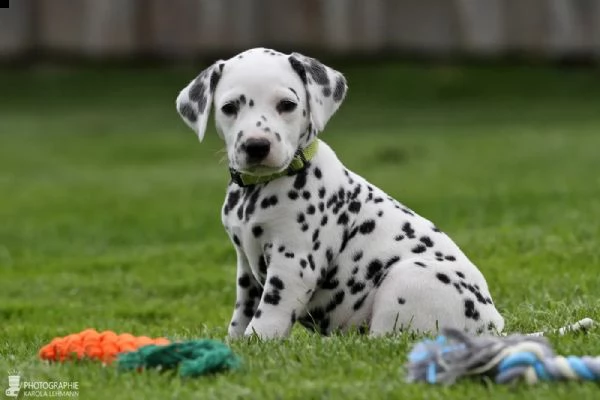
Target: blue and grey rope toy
507,359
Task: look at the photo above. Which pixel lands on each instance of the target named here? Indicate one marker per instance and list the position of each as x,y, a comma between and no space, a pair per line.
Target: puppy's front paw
235,331
272,330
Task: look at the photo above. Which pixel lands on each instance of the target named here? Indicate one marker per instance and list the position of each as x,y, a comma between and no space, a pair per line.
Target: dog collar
299,163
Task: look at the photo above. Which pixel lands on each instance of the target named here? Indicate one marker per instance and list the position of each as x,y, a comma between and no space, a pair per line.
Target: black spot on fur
407,211
330,282
269,201
255,293
340,88
419,249
329,255
257,230
347,236
272,298
356,287
470,311
357,256
360,302
457,287
393,260
401,300
244,281
300,180
367,227
337,299
187,111
450,258
262,265
277,283
214,78
298,67
321,192
460,274
258,313
408,230
311,262
343,219
354,207
293,195
251,206
249,308
420,264
324,220
315,235
443,278
373,268
426,241
318,72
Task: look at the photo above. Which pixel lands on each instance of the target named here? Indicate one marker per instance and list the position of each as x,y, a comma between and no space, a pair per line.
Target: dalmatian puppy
316,243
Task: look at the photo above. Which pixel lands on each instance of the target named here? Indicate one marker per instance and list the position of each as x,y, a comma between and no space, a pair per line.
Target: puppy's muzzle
256,149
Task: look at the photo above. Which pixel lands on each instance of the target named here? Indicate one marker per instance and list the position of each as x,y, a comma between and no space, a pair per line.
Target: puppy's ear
325,88
195,100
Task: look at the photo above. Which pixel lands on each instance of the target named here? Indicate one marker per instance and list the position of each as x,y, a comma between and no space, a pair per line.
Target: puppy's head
267,106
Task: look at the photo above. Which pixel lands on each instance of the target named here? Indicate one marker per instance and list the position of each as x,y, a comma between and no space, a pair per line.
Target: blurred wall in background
184,29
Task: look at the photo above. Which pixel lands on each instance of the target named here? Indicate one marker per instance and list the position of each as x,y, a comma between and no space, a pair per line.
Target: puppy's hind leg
422,296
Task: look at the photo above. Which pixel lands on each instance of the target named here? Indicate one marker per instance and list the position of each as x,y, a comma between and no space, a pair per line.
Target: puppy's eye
285,106
229,109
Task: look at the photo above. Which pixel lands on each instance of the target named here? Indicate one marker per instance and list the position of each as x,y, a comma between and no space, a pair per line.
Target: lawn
109,218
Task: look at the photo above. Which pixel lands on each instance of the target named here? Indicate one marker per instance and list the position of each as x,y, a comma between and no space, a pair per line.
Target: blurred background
483,115
187,29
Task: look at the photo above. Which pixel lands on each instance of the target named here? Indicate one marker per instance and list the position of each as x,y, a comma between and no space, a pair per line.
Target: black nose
257,149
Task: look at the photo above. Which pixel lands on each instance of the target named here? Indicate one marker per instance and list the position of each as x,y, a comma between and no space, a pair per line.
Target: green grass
109,218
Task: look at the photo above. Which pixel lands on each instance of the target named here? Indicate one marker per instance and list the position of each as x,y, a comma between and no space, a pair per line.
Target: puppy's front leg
288,288
248,293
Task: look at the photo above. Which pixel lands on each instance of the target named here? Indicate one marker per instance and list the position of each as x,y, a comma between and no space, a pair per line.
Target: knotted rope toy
507,359
191,358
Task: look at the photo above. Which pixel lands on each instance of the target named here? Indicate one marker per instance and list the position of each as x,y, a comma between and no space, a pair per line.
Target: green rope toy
191,358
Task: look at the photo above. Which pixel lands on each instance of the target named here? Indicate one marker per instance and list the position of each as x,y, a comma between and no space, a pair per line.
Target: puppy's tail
581,325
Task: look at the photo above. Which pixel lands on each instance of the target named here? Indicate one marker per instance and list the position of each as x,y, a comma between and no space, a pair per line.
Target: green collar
299,163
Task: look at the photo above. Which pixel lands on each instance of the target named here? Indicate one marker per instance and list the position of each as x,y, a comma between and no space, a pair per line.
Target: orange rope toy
93,345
